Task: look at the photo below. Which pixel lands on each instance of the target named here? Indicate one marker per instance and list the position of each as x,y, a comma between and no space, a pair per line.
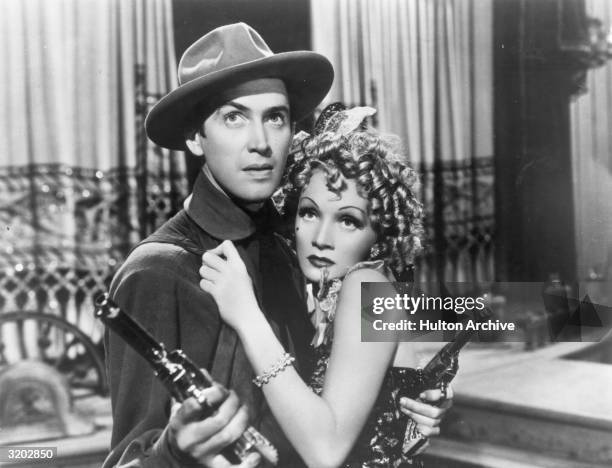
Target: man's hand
195,440
426,416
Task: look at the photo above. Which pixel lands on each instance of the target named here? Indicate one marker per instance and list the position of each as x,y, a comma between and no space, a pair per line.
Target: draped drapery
591,132
426,65
79,182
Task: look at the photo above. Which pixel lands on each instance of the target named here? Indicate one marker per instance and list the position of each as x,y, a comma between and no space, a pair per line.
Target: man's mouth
320,262
259,167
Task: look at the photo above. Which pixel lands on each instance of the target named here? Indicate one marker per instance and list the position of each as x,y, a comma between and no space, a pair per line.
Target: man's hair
194,122
376,164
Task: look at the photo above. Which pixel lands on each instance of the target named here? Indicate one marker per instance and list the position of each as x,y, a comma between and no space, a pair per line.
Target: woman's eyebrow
309,199
353,207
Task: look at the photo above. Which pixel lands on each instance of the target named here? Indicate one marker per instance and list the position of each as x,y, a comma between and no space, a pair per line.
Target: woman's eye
307,213
351,223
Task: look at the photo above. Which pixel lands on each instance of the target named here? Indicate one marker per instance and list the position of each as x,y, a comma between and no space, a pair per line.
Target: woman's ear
194,143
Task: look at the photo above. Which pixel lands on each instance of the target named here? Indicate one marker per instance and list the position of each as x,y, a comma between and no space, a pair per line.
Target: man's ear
194,143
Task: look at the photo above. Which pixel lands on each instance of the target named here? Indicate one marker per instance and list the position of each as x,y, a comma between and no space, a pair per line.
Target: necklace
322,308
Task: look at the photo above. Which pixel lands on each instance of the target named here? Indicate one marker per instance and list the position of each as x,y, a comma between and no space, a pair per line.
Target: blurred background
504,107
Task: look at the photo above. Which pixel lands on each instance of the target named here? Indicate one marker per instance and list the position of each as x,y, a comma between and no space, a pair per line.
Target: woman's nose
323,238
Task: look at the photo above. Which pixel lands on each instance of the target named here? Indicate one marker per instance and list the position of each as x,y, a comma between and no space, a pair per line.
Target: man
235,107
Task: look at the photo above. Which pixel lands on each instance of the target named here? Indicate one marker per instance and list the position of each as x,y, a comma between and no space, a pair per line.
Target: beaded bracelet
285,361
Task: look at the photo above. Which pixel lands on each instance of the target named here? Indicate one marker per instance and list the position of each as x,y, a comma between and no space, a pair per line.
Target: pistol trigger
443,386
205,408
201,398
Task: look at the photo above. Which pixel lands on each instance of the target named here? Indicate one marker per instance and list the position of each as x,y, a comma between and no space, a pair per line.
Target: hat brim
307,76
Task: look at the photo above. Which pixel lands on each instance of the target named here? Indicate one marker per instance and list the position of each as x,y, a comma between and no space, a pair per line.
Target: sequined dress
380,442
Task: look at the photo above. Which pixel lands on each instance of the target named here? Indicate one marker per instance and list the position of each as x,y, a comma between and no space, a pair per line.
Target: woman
356,220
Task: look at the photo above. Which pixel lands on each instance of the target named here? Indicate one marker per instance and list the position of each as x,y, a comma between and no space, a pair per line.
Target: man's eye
277,118
233,118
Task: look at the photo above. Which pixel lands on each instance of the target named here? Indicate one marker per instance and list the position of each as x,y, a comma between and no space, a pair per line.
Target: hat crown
224,47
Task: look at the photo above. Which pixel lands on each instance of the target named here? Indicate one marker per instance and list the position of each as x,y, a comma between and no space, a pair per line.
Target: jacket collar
220,217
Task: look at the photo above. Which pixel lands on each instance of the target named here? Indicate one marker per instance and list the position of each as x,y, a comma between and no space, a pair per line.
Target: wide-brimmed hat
226,57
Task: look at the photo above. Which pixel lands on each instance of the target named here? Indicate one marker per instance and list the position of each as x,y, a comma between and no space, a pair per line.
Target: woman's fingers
224,249
437,394
213,260
425,415
223,255
208,277
424,421
427,430
218,250
229,250
208,273
409,406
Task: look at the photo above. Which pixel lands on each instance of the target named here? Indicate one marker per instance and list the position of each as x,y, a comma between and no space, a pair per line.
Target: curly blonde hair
381,177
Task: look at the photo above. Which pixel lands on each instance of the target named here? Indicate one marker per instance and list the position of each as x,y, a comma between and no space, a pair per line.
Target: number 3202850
27,453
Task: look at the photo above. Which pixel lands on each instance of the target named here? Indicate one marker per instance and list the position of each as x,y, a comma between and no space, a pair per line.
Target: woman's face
331,231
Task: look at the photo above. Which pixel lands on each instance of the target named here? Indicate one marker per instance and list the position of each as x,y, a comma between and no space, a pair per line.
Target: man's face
245,142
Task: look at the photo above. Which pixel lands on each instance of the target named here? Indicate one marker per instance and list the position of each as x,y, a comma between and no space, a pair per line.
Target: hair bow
343,121
338,119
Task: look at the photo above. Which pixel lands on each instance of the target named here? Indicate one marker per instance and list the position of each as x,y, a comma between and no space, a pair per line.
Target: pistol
437,373
180,375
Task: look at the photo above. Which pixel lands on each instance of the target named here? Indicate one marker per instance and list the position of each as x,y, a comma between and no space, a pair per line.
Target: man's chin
251,203
251,195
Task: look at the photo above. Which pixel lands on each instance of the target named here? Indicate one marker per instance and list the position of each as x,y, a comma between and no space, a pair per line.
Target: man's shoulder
159,255
158,263
181,230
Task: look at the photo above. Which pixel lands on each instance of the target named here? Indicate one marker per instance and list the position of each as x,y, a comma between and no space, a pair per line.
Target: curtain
591,135
79,182
426,65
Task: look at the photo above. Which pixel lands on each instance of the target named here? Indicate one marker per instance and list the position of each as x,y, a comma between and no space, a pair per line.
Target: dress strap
378,265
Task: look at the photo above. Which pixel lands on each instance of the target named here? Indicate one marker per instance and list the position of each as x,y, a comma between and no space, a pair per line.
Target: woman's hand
426,416
225,278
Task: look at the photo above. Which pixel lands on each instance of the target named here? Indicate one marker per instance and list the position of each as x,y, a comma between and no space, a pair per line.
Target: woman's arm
321,428
324,428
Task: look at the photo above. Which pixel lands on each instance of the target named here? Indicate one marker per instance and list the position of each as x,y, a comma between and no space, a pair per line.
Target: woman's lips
320,262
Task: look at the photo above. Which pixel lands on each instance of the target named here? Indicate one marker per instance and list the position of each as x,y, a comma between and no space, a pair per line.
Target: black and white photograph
306,233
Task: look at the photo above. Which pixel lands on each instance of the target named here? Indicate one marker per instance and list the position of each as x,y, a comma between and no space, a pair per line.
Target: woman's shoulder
366,272
369,271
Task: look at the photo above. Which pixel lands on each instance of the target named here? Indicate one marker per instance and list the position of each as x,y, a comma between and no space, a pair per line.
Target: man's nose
324,237
258,140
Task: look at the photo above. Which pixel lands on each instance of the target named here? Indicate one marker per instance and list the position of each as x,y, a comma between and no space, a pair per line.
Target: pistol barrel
180,376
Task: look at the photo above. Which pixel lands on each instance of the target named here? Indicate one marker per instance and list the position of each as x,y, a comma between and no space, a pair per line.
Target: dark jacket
159,286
